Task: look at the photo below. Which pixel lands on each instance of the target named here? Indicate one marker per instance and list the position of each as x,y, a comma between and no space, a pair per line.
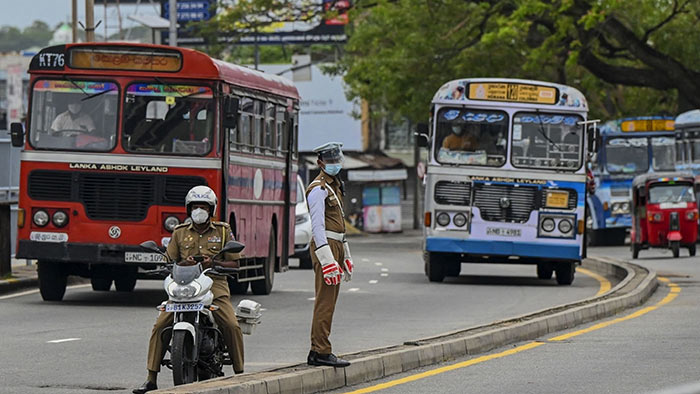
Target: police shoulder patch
181,225
224,224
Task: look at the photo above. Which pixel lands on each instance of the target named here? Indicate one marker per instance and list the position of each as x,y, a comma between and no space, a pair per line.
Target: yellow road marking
672,294
605,284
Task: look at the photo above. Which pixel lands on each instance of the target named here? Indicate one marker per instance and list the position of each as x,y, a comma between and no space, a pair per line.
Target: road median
636,284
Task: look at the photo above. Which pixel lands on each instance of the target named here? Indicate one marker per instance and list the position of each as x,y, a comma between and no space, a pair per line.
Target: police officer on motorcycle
201,237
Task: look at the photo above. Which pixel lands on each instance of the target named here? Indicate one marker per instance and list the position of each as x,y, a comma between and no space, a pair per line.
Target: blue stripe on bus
502,248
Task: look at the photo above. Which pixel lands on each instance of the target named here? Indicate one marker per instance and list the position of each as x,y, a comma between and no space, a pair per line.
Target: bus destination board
515,92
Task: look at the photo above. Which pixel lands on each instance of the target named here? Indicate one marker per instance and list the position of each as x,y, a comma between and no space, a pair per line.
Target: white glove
347,264
332,273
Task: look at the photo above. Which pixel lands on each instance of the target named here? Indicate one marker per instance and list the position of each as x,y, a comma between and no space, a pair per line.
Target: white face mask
199,216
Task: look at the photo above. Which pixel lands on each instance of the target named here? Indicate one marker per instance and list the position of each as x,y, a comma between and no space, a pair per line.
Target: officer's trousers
225,318
324,304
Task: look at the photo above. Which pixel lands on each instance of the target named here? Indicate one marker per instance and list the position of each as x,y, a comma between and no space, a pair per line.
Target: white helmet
201,194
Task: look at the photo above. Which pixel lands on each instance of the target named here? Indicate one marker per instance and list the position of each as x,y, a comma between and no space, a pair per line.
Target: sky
22,13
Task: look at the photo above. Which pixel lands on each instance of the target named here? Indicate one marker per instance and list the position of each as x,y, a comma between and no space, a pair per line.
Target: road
650,348
96,342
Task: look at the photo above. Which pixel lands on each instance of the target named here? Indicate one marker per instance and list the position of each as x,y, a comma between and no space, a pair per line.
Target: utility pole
90,20
172,37
74,21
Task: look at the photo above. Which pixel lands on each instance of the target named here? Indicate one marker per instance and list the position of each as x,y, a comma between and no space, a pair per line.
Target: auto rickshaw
664,213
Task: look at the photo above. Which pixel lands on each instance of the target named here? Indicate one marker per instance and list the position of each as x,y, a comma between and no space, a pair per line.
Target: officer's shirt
186,241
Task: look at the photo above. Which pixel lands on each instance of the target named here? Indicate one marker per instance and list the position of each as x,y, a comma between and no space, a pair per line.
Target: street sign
189,10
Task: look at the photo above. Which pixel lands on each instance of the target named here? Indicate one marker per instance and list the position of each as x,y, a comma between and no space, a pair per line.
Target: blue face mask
333,169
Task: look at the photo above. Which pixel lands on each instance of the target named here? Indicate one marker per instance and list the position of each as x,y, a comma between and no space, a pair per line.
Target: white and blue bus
506,180
687,126
629,147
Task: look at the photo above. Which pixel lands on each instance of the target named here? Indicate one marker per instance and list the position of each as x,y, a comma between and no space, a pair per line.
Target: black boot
330,360
145,387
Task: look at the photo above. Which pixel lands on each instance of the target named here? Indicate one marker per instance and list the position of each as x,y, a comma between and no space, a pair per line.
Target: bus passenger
460,140
205,236
73,120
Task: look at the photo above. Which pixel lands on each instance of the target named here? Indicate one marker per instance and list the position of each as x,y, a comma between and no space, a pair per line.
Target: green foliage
14,39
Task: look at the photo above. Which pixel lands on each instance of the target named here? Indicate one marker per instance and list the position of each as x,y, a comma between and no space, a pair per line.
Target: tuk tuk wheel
691,250
635,250
676,248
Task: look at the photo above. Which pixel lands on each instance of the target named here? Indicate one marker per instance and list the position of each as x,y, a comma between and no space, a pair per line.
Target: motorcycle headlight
183,291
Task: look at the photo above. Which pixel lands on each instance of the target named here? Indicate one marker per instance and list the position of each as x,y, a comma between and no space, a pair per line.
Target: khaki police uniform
326,295
186,242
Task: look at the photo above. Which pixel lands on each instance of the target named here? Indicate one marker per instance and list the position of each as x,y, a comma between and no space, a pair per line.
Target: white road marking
372,282
365,260
28,292
383,274
385,269
63,340
354,289
378,264
312,299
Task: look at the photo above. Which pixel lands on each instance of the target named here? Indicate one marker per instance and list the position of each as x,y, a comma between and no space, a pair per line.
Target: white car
302,228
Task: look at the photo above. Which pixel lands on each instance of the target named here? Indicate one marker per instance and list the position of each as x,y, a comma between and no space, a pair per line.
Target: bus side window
270,129
258,126
245,120
280,138
295,142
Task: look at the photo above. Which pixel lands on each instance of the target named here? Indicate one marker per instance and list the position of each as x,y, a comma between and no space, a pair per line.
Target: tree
12,39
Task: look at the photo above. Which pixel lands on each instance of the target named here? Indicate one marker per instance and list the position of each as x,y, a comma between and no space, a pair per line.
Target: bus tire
565,273
52,280
264,286
236,287
100,283
125,283
434,270
544,271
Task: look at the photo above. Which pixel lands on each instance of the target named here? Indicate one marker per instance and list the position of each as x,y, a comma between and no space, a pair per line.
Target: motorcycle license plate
184,307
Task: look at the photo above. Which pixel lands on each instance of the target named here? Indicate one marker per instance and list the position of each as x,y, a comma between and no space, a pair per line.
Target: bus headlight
170,223
443,219
59,219
459,220
565,226
548,225
40,218
620,208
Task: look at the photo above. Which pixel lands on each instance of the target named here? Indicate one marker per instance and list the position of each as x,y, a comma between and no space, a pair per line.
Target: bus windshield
627,155
168,119
471,137
74,115
551,141
663,153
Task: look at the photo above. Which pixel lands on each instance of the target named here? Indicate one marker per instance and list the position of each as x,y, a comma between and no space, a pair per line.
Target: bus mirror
421,134
230,111
17,134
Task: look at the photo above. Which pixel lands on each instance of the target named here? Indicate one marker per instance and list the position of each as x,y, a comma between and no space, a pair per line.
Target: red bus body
664,221
116,198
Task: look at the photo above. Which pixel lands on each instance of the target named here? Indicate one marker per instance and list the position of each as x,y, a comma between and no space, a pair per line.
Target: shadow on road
499,280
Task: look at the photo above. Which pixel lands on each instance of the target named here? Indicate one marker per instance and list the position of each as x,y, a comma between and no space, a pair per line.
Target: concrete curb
14,284
636,286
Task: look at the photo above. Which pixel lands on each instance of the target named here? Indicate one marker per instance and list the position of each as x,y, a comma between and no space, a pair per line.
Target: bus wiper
69,79
97,94
541,130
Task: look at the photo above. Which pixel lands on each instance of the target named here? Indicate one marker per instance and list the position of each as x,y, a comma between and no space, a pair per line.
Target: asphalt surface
654,348
96,342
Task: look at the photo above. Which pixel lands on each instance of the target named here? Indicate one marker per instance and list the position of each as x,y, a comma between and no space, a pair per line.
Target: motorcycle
197,348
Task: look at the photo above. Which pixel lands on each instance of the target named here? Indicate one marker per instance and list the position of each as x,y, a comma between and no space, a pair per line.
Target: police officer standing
201,237
331,258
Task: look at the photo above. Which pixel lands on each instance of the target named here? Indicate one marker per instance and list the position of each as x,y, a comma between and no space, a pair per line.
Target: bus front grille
116,197
176,188
505,203
452,193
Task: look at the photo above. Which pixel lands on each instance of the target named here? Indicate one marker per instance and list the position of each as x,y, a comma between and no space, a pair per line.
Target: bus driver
73,120
461,139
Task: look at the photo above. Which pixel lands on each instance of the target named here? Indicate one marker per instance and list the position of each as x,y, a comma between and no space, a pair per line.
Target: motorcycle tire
184,368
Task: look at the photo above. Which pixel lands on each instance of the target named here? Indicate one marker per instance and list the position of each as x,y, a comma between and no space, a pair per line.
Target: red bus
118,133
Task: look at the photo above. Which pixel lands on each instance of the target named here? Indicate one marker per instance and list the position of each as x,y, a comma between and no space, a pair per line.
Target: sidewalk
23,276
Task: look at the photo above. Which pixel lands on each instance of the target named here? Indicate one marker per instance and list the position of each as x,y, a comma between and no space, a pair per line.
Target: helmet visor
333,156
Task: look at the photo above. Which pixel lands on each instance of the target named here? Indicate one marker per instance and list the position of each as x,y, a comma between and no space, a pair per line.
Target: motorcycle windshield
184,274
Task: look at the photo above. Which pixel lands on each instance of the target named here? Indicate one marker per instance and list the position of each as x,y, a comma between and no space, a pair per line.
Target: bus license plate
140,257
184,307
48,237
503,232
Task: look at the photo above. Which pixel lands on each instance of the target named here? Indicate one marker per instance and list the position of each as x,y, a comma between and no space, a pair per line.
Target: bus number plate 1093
503,232
139,257
184,307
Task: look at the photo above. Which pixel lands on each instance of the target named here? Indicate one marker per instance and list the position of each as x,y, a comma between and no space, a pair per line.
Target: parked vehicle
302,228
197,347
664,213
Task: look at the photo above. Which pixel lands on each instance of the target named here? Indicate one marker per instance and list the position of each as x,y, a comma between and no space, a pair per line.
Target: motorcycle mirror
151,246
233,247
